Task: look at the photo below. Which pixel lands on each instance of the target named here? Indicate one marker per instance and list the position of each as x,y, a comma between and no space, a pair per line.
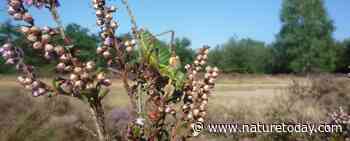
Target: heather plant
165,100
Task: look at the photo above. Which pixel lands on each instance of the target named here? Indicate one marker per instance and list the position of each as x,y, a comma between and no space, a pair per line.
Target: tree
184,51
306,36
343,57
243,56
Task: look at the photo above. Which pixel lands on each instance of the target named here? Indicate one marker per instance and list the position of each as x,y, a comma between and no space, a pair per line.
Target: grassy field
236,97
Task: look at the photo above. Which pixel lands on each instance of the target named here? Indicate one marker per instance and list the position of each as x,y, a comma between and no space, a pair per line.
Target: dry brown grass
236,97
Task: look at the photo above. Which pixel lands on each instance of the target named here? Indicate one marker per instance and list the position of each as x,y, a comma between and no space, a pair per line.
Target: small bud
194,72
205,57
74,77
21,79
216,69
59,50
78,83
49,48
129,49
195,112
99,50
60,66
99,22
64,58
205,102
203,62
202,107
41,91
203,114
127,43
200,119
48,55
199,57
106,82
206,51
78,70
101,76
90,65
133,42
84,76
211,81
187,67
206,87
189,116
198,68
45,37
106,54
35,93
10,61
109,16
99,13
37,45
35,84
168,109
32,37
204,97
11,10
173,112
7,45
114,24
112,8
90,86
196,62
28,81
17,16
215,74
184,107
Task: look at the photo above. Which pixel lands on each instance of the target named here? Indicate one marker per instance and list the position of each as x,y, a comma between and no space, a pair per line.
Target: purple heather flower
10,61
28,2
35,93
2,50
108,41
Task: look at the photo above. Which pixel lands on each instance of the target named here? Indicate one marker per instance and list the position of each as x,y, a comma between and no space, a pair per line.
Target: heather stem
97,112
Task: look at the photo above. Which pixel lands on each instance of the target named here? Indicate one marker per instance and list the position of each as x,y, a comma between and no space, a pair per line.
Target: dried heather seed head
37,45
106,54
49,48
17,16
32,37
101,76
90,65
74,77
129,49
59,50
78,70
61,66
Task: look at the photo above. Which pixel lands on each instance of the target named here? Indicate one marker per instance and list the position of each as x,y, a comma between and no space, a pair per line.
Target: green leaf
84,98
103,93
180,79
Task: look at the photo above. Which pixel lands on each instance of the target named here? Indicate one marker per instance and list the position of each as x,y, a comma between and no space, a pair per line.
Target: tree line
305,44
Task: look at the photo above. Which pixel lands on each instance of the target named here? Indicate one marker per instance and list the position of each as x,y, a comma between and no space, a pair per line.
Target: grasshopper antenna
132,17
172,34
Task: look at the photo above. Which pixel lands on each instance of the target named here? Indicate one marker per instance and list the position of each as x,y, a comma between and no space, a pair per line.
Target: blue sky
209,22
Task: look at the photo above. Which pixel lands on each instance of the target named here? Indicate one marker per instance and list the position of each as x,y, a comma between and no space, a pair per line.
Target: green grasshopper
161,57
